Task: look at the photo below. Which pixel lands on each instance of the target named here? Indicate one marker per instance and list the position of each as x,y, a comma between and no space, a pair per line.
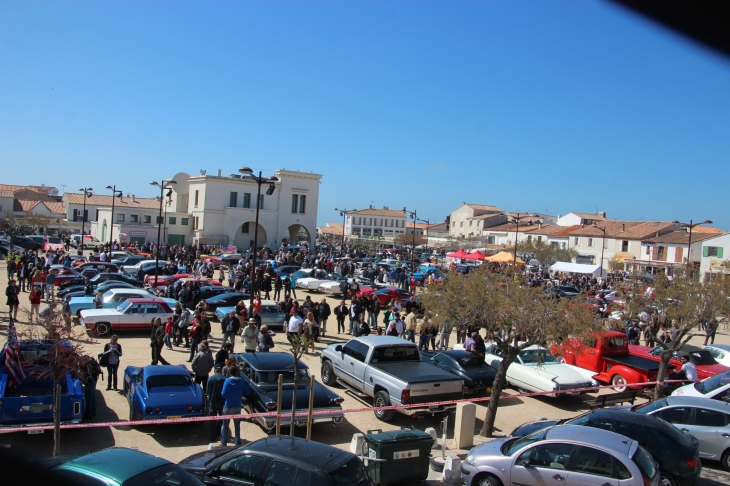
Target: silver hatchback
705,418
564,455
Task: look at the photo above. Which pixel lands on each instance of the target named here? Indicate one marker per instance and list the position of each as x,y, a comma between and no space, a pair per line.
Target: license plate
489,390
575,393
174,416
33,432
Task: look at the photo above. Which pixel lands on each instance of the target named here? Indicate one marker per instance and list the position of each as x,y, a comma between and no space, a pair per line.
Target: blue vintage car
159,392
271,315
31,402
112,298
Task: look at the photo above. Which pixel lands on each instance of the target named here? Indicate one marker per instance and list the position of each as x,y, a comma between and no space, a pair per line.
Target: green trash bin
400,455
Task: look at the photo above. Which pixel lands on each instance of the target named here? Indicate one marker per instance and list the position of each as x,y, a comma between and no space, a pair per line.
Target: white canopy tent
567,267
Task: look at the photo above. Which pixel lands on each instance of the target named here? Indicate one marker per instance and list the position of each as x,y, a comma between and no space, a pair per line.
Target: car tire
102,329
726,460
328,373
132,415
666,479
382,399
486,479
619,383
125,388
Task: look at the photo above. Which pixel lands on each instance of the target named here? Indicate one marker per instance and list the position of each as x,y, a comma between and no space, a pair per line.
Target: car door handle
607,484
558,477
352,362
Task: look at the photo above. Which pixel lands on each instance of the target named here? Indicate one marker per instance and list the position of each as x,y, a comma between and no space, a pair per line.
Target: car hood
491,448
200,461
687,391
322,396
87,313
560,373
82,300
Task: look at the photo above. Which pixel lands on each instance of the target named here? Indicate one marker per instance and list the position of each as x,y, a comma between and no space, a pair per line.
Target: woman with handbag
110,359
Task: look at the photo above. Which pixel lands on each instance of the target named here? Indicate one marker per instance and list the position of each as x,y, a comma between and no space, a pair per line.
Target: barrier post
311,406
464,427
278,405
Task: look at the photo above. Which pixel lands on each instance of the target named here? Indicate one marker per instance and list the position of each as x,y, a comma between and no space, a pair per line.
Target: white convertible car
537,370
317,278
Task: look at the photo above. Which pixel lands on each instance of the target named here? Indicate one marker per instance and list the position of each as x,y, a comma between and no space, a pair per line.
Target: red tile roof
102,200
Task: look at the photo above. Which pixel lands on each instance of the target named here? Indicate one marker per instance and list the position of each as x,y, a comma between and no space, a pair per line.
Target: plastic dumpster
401,455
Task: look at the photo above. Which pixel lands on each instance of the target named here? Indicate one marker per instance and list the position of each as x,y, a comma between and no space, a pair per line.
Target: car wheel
383,400
125,388
666,479
102,328
485,479
726,460
561,359
619,383
328,375
132,415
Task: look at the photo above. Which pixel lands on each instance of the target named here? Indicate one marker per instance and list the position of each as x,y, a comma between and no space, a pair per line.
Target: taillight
190,408
271,405
338,400
692,463
198,408
158,409
405,395
647,482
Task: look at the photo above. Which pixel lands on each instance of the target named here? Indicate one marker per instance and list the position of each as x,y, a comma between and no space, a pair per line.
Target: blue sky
529,105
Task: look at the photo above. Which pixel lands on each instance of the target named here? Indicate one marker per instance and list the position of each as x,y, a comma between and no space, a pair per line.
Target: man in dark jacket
229,328
324,312
355,313
341,311
89,370
215,400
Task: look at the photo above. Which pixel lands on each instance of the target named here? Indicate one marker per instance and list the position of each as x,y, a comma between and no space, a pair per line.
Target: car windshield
717,353
392,354
271,378
166,475
537,356
123,306
713,383
644,461
158,381
649,407
470,361
512,446
108,295
349,474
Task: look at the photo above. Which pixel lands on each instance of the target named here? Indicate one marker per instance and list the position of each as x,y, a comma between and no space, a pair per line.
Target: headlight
555,386
470,459
595,383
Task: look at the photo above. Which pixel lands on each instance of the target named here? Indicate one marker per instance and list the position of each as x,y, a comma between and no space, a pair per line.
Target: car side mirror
526,463
215,473
338,348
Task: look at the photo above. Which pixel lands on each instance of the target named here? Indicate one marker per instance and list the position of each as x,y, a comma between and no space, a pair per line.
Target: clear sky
529,105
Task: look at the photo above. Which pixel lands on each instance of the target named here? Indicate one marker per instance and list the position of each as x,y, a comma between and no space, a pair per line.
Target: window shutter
719,252
705,251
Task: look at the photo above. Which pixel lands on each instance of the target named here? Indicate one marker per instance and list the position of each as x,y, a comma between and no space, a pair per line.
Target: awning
568,267
504,257
621,256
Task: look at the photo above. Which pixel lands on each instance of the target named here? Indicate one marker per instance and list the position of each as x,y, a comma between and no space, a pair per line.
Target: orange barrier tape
286,416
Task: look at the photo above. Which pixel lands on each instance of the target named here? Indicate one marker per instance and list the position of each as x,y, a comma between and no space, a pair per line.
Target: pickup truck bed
636,362
414,372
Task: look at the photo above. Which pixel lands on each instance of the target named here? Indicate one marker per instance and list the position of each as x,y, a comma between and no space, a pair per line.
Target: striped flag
229,248
13,359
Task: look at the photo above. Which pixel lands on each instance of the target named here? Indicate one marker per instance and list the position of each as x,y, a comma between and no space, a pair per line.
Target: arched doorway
299,234
243,239
103,231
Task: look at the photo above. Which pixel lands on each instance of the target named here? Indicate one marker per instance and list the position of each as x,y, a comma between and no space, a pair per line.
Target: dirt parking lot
175,442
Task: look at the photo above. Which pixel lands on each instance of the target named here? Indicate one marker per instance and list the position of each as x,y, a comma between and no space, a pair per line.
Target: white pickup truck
390,371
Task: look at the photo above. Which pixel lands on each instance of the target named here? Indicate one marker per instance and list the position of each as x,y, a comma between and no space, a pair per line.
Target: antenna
63,186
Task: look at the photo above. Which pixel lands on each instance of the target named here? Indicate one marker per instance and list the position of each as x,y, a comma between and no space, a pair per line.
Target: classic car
225,299
702,358
301,273
102,267
127,260
70,274
112,298
80,290
334,286
478,376
278,460
271,315
721,353
716,387
385,295
101,277
313,282
261,372
285,270
130,314
158,391
165,280
537,370
120,466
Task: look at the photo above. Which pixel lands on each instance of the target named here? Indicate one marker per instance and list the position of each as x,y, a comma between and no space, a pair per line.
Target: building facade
386,223
468,220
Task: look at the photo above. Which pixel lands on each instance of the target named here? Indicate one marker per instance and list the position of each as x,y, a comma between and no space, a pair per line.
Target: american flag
13,359
229,248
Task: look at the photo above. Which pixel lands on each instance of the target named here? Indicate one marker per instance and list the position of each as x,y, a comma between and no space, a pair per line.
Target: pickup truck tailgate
427,383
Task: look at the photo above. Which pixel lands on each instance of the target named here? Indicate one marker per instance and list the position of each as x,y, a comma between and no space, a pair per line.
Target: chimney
132,197
623,226
219,172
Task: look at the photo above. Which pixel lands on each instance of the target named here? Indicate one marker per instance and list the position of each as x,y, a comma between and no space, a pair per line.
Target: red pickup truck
608,355
702,359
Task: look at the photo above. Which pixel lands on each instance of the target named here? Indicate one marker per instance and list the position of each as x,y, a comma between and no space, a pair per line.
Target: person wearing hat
250,336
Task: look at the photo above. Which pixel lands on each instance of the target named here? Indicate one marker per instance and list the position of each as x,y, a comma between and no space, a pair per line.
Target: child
35,303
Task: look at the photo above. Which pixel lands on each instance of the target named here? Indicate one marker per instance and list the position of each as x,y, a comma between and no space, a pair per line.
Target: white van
89,241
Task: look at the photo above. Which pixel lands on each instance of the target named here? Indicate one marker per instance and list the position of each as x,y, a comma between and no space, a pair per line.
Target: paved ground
174,442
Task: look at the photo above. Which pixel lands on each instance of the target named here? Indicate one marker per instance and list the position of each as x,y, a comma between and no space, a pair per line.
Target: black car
102,277
80,290
569,290
285,270
231,259
478,376
261,372
460,268
28,243
224,299
278,460
678,454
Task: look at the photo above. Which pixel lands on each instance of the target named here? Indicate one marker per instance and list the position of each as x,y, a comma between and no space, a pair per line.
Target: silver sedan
564,455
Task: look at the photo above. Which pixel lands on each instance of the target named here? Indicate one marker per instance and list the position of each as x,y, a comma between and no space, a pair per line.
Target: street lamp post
164,229
111,226
259,180
166,184
603,243
87,193
691,225
343,213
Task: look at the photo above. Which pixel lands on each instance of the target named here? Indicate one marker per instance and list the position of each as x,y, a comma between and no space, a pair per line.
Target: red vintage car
385,294
164,280
702,359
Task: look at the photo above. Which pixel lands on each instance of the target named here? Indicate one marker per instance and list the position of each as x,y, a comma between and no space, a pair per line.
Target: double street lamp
691,225
248,175
87,193
415,218
115,193
166,184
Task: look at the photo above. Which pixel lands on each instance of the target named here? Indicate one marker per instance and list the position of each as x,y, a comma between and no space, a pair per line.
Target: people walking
13,302
265,340
324,311
157,342
215,400
202,365
341,311
110,358
234,389
89,370
229,328
250,336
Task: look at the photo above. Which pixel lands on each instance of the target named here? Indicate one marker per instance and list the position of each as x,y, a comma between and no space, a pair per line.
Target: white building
468,220
222,208
387,223
572,219
714,259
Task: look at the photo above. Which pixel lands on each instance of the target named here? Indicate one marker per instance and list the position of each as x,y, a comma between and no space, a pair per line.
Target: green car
119,466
